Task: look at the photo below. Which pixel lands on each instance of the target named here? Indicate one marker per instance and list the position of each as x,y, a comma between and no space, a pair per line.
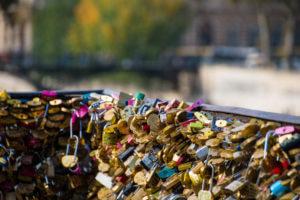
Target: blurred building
224,23
16,29
214,23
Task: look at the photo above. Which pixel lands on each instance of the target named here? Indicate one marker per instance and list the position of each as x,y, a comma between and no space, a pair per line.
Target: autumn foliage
123,28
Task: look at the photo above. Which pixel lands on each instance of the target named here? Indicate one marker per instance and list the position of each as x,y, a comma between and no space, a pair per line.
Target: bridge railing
234,111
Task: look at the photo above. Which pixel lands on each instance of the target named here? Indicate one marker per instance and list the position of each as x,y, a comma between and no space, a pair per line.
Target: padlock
44,119
207,194
174,197
195,179
141,148
74,181
235,186
284,130
50,172
91,122
5,158
171,182
202,153
195,105
138,99
110,135
26,173
149,161
76,170
290,141
278,189
67,160
152,178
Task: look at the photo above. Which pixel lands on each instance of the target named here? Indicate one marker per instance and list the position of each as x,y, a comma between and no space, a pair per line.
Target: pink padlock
76,170
48,94
73,118
130,139
172,104
196,104
119,145
284,130
130,102
82,111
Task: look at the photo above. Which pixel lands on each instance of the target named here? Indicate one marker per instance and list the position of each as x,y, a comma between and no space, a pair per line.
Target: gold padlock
67,160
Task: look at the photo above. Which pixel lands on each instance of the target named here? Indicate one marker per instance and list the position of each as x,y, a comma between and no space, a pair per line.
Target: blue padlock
151,102
189,115
277,189
213,125
166,172
86,97
202,153
126,154
148,161
143,109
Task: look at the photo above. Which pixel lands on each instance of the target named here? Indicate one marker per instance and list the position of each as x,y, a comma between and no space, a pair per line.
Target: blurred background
242,53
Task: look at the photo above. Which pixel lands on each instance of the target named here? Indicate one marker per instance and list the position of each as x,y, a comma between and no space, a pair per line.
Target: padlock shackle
248,166
268,135
92,117
46,110
101,114
95,105
76,146
76,170
210,179
80,128
71,128
4,148
211,176
46,179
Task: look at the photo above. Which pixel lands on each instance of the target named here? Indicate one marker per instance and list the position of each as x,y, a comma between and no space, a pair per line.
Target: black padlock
291,142
126,154
149,161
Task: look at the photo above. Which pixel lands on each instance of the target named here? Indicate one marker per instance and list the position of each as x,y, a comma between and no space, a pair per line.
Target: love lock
207,194
69,161
5,159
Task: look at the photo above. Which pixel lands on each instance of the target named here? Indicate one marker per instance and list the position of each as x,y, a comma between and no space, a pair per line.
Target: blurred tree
16,14
263,25
293,7
127,29
83,35
51,23
264,29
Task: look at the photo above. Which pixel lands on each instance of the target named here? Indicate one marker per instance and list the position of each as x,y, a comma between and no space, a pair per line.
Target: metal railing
277,117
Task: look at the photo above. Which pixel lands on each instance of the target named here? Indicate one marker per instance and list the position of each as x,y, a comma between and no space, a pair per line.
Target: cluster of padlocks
97,146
